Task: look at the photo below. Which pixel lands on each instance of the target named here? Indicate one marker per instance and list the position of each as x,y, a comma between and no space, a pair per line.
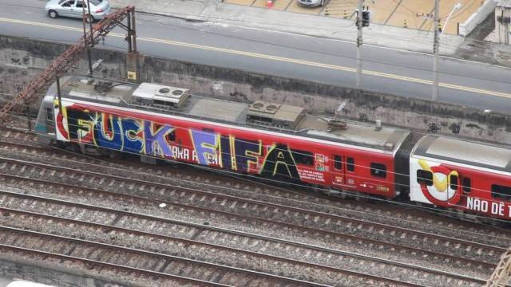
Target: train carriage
466,175
277,141
282,142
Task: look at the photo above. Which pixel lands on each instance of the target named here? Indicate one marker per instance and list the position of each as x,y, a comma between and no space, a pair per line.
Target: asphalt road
323,60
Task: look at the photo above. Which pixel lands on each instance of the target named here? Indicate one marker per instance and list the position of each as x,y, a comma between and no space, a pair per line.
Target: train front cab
45,122
470,177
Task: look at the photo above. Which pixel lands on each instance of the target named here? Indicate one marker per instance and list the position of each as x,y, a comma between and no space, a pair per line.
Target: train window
350,164
454,181
378,169
465,185
302,157
49,114
424,176
338,162
501,192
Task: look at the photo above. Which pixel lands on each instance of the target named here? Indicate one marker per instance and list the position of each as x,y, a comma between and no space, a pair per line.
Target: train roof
261,115
473,153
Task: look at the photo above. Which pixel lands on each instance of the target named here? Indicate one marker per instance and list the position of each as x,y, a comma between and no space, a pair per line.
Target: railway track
264,210
122,201
405,216
383,213
131,274
326,226
142,260
157,234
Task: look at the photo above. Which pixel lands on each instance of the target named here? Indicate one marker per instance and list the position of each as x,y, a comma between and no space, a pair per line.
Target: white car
74,8
311,3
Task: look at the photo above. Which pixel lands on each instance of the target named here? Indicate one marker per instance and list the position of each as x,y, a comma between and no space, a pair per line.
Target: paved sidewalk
313,25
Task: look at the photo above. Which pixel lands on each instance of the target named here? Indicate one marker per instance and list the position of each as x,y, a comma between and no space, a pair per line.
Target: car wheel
53,14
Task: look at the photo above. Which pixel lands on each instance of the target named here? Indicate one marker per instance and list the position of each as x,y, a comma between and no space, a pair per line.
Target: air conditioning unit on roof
160,96
263,107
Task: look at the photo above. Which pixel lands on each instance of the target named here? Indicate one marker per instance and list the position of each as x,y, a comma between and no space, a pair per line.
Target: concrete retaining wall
478,17
51,274
245,86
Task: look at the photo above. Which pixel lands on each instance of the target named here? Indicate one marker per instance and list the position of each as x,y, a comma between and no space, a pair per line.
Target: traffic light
365,18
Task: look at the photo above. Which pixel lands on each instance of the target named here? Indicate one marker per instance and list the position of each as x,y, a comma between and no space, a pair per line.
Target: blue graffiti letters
107,132
155,141
132,132
206,146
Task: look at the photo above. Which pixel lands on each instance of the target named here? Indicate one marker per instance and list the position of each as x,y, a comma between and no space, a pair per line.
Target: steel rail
89,262
24,233
201,227
192,242
301,200
276,207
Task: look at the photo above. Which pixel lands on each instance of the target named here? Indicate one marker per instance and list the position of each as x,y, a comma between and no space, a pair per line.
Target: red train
278,141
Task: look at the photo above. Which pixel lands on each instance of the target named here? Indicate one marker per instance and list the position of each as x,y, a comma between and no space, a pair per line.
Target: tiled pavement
412,14
282,17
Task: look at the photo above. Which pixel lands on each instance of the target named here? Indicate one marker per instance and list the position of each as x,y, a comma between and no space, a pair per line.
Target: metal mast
500,277
436,47
359,41
67,59
84,21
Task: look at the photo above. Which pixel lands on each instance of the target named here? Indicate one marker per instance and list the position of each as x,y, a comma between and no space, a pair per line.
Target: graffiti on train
444,189
203,147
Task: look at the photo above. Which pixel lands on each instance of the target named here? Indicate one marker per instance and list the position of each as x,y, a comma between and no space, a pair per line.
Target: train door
50,120
351,170
338,170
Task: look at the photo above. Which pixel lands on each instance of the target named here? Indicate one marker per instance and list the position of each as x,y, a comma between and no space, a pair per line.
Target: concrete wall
53,275
244,86
477,18
502,31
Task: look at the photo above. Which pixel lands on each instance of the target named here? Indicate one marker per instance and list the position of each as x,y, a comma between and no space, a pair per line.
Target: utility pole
133,59
503,16
436,47
90,24
89,57
359,41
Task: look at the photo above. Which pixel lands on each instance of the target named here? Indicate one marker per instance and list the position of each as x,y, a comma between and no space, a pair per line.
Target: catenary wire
250,177
268,147
352,193
358,195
